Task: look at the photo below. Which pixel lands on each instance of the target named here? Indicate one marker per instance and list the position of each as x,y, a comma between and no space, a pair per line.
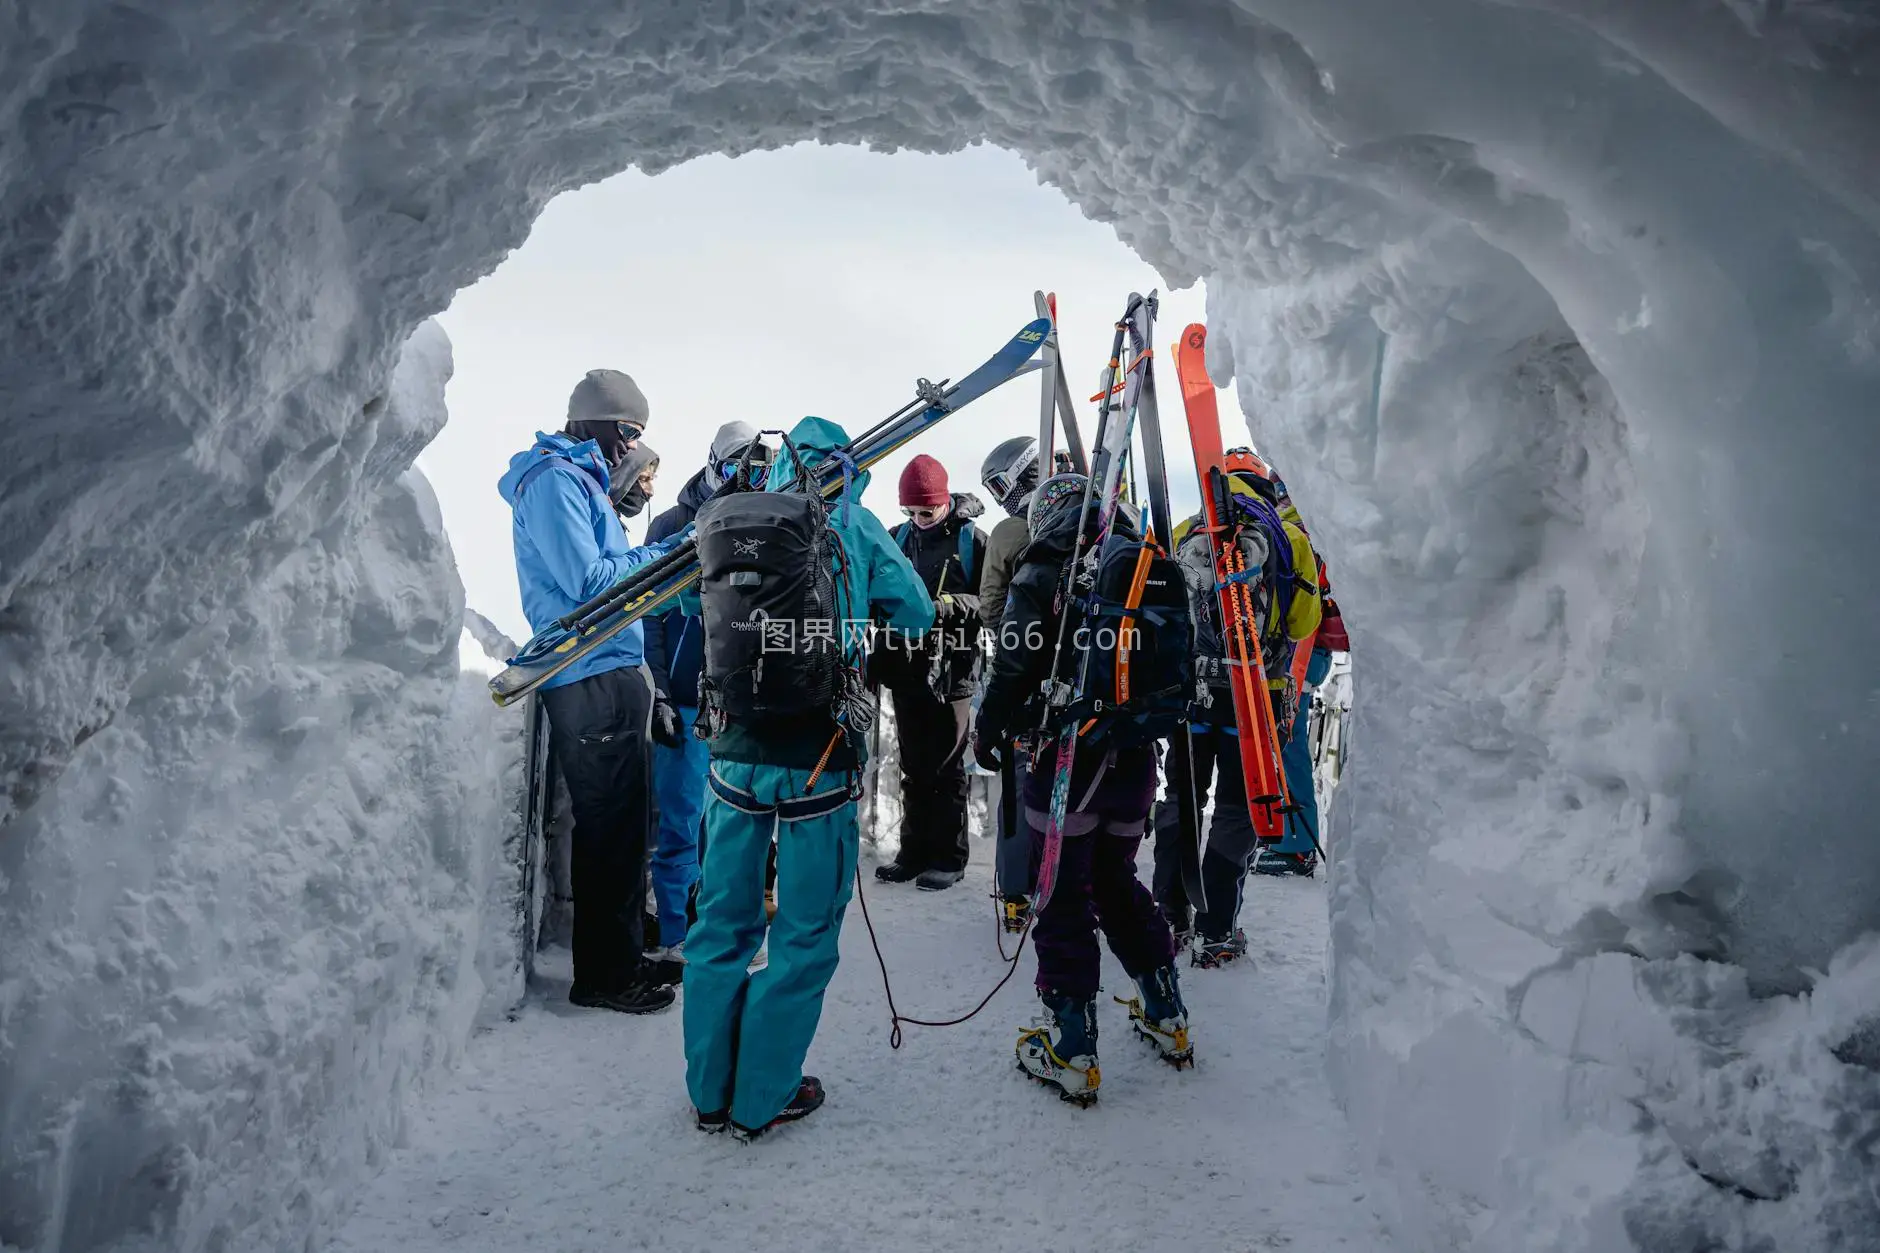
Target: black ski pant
931,734
598,733
1231,841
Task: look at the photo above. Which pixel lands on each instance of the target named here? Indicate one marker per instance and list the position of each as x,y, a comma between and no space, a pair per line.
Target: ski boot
1305,865
1213,954
1070,1061
1014,913
1159,1016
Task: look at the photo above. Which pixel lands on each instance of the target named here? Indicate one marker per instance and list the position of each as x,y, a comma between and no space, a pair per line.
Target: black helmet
1010,472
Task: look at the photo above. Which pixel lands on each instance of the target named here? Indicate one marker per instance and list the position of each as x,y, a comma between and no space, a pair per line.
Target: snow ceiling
1560,317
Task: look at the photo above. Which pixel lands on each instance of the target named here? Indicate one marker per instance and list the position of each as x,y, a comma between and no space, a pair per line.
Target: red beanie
924,484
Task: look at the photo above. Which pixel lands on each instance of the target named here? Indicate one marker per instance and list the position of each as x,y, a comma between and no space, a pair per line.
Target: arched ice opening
1605,541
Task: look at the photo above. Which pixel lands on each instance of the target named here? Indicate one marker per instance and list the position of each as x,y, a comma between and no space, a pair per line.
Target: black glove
988,751
668,730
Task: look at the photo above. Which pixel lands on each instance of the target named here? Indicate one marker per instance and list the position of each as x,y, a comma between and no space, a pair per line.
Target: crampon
1076,1079
1169,1035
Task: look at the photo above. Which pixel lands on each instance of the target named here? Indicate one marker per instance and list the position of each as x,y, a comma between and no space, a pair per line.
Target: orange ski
1253,704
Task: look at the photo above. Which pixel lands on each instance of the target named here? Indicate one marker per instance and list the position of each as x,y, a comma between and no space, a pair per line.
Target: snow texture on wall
262,900
1559,315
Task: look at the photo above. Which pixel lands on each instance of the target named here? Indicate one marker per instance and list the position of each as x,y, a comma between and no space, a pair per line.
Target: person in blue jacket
569,546
746,1035
675,652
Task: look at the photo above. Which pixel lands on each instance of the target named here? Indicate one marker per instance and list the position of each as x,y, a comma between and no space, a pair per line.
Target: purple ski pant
1097,885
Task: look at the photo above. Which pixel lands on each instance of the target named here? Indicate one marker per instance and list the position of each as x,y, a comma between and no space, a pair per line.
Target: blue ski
654,586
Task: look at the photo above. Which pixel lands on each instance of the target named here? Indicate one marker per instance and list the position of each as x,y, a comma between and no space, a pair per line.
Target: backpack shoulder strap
966,552
903,535
548,459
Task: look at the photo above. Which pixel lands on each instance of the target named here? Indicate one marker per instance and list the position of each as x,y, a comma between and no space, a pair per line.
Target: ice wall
263,899
1559,315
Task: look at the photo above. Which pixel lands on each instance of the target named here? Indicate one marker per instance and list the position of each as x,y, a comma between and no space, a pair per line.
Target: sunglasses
932,511
630,432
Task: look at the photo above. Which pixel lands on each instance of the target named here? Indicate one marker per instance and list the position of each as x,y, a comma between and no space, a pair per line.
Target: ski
1181,753
1057,399
1114,424
1253,705
1047,395
653,586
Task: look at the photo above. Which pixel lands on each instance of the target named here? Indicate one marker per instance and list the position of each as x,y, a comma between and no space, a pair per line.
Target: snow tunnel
1564,314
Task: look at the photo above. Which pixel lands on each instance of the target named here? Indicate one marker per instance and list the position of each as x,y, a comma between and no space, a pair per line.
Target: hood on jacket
815,439
585,454
967,506
623,487
698,489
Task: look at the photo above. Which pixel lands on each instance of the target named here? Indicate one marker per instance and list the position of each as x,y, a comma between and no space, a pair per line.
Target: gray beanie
607,396
732,438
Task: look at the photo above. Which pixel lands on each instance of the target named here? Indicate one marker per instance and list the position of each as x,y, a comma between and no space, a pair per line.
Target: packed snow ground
569,1129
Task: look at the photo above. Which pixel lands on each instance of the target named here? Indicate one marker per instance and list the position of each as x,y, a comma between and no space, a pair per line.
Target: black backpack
768,605
1138,629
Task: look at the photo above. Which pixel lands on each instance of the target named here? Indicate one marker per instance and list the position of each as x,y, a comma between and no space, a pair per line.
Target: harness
795,809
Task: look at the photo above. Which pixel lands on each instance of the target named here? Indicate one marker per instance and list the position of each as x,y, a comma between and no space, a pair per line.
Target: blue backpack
1279,576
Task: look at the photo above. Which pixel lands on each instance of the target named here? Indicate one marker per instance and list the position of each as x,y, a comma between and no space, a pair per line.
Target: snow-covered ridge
1560,317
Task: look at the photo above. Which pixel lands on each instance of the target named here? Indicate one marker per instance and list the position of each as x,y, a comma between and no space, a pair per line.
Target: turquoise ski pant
1295,757
746,1035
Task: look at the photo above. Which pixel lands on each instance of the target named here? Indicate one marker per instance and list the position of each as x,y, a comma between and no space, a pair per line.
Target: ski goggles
729,471
630,432
1002,483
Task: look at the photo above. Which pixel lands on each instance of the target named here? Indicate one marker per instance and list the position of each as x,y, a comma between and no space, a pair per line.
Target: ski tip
1195,335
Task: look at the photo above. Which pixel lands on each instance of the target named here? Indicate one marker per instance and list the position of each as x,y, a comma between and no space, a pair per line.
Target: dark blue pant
1096,880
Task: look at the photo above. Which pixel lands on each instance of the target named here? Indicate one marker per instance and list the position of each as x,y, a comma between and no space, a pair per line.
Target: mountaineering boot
1014,913
1070,1060
664,965
711,1124
895,872
1159,1016
637,997
1182,924
808,1099
938,880
1304,865
1210,954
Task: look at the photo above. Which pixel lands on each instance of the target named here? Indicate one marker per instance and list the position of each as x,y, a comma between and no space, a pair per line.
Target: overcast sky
815,280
